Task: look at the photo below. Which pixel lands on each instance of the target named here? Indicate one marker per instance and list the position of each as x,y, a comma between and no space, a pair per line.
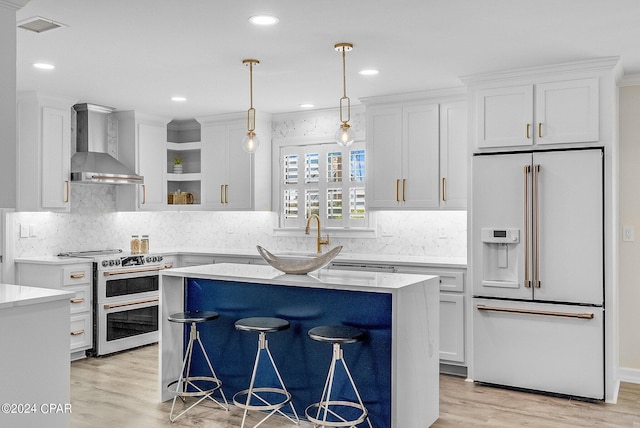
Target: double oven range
125,299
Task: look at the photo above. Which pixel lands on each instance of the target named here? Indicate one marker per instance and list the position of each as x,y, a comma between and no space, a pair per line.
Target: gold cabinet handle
66,191
444,194
525,192
404,185
77,332
77,300
397,185
144,194
226,193
539,129
222,193
528,131
77,275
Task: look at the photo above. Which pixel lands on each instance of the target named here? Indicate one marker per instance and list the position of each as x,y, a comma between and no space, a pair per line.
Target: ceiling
137,54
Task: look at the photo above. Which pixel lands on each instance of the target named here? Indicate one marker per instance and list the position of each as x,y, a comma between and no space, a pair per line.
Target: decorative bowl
299,267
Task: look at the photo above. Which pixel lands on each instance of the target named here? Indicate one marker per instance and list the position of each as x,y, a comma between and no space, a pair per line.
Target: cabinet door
239,169
452,327
384,157
421,175
567,112
453,155
152,161
56,140
504,116
214,166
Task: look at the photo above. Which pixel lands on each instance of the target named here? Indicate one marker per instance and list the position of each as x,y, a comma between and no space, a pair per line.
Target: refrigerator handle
536,226
582,315
527,269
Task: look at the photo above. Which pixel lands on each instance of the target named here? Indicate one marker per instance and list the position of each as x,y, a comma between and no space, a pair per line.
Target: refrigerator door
501,201
568,227
544,347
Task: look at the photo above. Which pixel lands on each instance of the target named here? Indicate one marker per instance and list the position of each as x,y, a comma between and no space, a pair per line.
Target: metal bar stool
337,413
261,398
194,386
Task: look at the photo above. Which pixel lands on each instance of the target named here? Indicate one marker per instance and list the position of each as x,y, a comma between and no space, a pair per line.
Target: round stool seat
193,316
336,334
262,324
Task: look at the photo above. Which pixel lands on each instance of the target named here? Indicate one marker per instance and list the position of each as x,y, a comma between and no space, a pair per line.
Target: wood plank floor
121,391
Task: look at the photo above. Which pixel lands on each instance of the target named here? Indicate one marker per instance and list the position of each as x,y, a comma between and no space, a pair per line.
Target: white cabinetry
142,143
73,277
233,179
416,152
44,152
550,112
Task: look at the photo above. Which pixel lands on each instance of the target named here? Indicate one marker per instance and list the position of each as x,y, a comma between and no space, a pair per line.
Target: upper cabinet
44,152
417,153
546,107
142,143
231,178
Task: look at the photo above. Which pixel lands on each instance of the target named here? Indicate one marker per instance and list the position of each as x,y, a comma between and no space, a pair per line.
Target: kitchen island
395,368
34,361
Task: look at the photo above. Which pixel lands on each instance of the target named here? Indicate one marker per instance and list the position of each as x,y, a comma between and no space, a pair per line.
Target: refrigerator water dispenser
500,257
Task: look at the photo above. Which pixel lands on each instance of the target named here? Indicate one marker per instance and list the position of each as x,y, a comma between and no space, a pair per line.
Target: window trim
367,231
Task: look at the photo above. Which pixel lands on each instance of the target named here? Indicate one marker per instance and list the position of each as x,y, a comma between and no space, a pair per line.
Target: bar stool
195,386
265,398
337,413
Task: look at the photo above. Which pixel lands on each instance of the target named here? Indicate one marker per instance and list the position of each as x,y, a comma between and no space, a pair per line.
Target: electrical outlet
32,230
628,233
24,231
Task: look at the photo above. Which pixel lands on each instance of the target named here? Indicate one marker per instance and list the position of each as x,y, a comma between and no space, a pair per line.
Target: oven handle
134,270
137,302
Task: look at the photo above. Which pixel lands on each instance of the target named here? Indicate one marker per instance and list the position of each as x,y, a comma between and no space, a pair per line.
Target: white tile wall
94,224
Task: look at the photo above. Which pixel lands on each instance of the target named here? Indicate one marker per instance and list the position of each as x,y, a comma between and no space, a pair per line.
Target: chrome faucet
319,240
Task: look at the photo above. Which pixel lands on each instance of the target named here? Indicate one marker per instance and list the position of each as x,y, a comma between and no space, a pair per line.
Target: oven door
127,324
127,284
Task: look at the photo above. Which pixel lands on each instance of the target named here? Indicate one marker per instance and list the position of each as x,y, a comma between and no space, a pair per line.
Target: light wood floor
121,391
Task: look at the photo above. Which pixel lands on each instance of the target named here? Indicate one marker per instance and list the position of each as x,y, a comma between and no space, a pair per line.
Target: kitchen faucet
319,240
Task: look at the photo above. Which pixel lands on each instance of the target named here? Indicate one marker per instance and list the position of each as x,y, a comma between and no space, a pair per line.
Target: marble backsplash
94,224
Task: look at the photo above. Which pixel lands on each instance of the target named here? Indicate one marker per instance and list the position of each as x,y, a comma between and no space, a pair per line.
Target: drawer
450,281
82,300
81,332
73,275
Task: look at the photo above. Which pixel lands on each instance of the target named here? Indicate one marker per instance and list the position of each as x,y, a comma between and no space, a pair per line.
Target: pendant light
345,135
250,142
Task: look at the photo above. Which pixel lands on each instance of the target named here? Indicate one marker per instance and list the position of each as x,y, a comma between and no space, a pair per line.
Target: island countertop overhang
381,282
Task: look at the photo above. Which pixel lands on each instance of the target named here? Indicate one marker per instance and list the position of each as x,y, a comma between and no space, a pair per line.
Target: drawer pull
77,275
77,300
77,332
583,315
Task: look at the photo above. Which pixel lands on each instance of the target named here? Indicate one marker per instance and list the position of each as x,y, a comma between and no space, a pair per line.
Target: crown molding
13,4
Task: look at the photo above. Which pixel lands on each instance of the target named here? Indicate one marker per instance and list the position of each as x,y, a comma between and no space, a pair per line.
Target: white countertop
388,259
21,295
323,278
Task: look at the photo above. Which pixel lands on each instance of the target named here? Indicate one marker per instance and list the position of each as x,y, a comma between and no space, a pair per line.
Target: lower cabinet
75,277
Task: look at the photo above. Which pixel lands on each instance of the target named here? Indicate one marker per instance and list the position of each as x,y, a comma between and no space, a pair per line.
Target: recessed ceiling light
368,72
44,66
178,99
307,105
263,20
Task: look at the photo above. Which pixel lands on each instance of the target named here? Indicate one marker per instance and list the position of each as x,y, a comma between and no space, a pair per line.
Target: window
323,179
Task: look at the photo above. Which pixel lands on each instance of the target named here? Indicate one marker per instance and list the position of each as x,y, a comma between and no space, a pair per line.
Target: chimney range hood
92,163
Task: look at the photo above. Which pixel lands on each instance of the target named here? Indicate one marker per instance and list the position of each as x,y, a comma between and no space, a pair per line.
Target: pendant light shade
250,142
344,135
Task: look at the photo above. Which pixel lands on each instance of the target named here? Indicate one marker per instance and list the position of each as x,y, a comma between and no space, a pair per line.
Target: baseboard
629,375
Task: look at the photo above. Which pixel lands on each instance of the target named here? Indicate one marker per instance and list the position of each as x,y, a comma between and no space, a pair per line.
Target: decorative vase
177,168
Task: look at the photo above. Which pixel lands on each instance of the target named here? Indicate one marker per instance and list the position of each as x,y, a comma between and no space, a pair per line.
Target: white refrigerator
538,271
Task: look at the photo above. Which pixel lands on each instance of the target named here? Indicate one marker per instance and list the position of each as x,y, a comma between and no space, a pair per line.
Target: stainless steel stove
125,299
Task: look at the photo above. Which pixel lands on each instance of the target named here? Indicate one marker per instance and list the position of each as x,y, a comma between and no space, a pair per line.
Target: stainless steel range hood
92,163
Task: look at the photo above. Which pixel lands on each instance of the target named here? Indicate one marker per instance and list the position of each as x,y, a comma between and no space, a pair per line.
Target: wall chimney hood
92,163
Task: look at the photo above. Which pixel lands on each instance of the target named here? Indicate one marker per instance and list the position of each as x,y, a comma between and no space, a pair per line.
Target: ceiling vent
38,24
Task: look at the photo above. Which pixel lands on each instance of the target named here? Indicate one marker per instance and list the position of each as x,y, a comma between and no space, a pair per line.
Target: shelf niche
183,140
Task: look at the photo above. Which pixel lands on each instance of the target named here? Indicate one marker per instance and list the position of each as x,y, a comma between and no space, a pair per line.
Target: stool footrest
318,410
189,381
266,405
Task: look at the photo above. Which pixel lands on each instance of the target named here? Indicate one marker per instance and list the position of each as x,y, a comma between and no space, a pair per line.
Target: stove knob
154,258
159,258
148,259
105,263
117,262
112,263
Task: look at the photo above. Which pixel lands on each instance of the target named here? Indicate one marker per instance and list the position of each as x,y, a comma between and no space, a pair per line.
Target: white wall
629,290
94,223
